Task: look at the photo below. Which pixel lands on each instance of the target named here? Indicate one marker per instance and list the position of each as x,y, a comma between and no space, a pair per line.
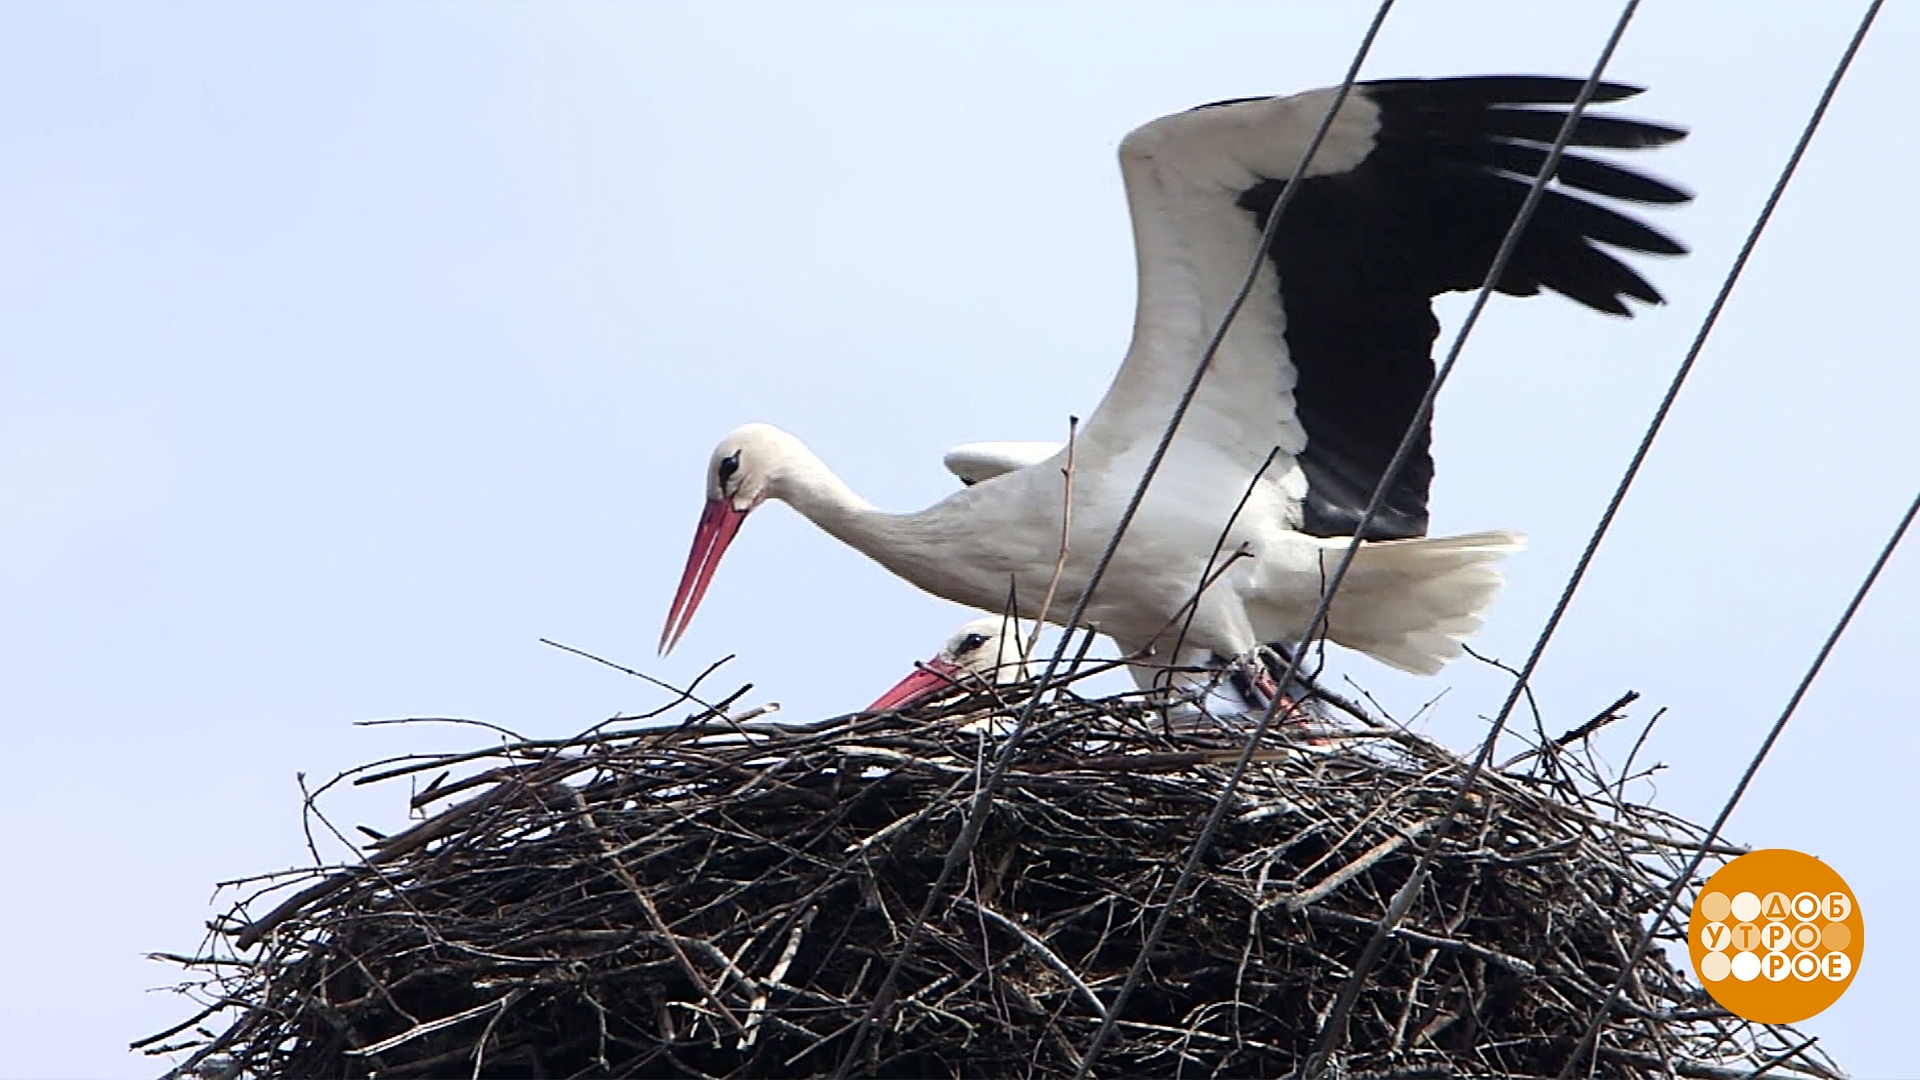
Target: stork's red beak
928,678
718,524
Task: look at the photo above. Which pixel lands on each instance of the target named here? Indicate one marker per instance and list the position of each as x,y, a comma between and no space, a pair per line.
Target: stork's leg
1185,697
1255,677
1215,693
1252,678
1192,693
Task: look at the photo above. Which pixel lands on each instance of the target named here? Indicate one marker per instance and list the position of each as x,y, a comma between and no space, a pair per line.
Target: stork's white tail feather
1411,603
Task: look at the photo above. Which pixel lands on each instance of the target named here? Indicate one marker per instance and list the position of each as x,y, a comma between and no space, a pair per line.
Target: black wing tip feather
1513,100
1496,131
1506,120
1364,250
1483,90
1500,89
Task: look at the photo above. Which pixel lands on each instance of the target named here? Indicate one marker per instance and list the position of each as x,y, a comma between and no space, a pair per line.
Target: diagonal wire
1753,767
1680,375
1333,1030
983,798
1646,937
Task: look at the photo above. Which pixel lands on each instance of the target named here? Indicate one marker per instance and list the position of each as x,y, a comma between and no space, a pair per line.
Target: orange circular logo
1775,936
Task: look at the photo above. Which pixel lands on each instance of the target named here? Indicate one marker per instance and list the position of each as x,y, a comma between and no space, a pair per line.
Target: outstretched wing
975,462
1409,197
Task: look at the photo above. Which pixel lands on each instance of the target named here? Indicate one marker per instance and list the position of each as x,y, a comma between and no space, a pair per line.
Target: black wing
1361,253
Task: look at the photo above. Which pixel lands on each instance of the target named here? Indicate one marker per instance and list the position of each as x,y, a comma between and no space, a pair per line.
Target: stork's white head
746,469
989,649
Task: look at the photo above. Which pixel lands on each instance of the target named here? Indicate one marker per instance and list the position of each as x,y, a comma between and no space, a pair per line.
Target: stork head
988,649
745,470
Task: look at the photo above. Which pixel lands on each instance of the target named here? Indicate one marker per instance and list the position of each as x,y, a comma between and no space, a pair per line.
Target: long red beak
927,679
718,524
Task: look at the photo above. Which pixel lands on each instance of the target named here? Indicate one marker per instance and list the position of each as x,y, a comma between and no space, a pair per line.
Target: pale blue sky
351,349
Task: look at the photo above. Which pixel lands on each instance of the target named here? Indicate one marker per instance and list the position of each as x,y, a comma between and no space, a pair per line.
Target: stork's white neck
956,548
810,487
807,485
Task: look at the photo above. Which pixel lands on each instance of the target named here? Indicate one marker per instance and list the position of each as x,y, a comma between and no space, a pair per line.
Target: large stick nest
725,898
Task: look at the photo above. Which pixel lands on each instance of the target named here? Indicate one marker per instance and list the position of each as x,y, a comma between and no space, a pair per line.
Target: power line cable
983,798
1330,1032
1645,939
1627,478
1589,1040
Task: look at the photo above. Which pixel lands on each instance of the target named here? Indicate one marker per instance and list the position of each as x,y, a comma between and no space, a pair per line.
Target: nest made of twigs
725,899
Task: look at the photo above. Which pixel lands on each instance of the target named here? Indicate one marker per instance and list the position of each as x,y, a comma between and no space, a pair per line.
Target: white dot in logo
1836,966
1806,906
1714,907
1746,907
1775,966
1746,965
1839,905
1715,966
1773,936
1806,966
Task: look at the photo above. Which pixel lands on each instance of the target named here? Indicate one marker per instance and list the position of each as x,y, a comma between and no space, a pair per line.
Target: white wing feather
1193,246
975,462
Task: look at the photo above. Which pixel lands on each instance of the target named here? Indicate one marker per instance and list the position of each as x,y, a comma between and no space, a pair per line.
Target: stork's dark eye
972,642
728,466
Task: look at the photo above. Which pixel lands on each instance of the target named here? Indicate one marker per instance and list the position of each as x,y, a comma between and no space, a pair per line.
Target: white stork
1408,197
987,649
990,651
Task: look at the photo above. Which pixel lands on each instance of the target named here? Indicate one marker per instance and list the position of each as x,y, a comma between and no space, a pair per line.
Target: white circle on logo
1746,965
1775,966
1774,936
1715,966
1806,966
1839,905
1836,967
1745,907
1715,937
1714,906
1806,906
1806,935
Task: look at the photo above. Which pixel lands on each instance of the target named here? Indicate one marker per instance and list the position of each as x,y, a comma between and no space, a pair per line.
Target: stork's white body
1408,603
1003,536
